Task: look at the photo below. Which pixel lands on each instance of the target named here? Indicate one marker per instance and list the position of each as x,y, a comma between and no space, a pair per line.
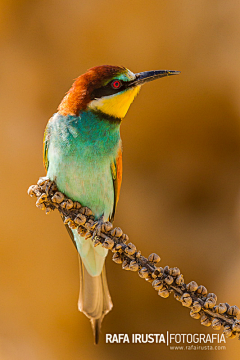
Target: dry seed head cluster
202,305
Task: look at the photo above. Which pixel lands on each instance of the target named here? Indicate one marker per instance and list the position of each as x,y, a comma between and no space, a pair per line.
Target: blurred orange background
181,175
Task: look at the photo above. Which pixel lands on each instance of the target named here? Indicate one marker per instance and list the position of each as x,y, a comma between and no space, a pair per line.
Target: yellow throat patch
115,105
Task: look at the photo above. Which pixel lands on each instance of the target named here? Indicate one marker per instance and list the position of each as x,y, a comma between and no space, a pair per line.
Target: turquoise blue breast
80,153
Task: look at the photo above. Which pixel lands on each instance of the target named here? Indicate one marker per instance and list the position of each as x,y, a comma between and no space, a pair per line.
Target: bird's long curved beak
146,76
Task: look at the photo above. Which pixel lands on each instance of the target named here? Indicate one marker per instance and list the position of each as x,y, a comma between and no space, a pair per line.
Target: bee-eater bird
83,155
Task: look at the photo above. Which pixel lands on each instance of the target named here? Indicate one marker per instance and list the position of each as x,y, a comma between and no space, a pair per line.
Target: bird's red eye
116,84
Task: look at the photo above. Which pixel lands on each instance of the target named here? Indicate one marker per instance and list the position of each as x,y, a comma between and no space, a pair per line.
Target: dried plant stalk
202,305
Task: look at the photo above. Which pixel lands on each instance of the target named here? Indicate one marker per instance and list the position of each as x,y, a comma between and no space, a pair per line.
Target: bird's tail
94,298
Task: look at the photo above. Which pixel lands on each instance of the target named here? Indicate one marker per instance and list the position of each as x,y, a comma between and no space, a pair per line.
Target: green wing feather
45,148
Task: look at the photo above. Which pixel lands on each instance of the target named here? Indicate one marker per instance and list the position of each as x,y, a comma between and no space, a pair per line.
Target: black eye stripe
108,90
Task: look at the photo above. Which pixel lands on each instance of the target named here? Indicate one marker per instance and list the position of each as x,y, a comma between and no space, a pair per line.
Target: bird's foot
98,229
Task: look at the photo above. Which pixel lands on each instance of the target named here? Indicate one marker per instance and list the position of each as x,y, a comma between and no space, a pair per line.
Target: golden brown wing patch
116,169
